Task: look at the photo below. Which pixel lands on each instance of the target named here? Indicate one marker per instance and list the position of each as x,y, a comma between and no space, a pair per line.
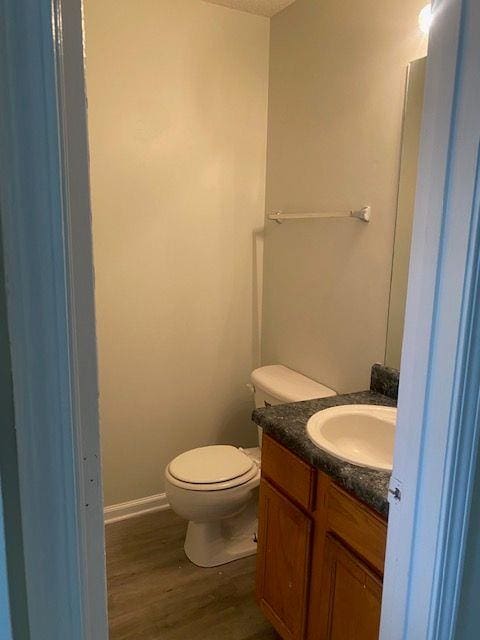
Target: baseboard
133,508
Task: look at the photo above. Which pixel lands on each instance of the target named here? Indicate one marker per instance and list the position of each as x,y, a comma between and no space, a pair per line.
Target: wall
177,114
337,78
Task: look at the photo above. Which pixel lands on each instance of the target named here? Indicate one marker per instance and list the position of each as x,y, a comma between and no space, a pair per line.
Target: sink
361,434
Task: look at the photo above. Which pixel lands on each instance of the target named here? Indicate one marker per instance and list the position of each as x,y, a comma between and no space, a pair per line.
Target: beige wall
177,95
337,78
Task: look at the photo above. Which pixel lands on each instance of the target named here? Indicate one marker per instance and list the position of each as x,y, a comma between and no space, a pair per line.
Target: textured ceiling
260,7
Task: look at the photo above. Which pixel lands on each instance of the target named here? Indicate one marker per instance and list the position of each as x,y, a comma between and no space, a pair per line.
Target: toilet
215,487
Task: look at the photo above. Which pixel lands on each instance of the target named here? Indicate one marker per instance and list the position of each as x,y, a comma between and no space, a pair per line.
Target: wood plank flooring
155,593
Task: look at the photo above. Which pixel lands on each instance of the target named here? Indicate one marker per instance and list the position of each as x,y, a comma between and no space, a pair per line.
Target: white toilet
215,488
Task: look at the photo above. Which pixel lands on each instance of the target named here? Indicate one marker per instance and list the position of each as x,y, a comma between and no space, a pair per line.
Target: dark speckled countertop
286,423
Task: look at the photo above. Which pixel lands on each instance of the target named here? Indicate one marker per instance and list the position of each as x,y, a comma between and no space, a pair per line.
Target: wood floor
155,593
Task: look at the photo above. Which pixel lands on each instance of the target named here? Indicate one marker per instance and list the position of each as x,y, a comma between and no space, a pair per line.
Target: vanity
322,526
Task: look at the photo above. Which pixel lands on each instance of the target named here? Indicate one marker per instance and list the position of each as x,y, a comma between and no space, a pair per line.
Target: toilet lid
208,465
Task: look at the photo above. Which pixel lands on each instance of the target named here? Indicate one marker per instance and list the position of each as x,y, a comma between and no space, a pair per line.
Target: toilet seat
211,468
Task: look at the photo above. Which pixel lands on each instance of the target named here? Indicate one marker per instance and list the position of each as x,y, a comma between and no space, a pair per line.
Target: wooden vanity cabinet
320,554
284,547
351,596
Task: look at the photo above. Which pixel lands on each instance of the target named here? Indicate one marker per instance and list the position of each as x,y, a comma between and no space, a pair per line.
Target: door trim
438,427
48,262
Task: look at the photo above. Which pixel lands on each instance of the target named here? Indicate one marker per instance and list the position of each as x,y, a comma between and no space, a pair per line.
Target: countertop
286,423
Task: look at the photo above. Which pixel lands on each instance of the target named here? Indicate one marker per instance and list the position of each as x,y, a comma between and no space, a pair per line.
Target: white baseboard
133,508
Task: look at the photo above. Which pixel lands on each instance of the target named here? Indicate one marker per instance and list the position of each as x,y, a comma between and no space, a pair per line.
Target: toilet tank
276,384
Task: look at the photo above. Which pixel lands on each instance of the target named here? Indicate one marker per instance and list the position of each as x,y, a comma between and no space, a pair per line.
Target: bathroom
205,118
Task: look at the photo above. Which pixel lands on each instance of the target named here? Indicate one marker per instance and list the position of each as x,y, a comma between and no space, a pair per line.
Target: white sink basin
361,434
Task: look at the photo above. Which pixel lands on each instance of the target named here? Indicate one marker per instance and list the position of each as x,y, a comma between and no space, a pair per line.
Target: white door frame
45,205
438,426
47,238
5,622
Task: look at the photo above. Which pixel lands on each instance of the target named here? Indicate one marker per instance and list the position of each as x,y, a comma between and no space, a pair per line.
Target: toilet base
210,544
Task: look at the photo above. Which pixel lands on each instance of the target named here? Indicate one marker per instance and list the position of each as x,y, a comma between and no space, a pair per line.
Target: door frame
5,622
46,225
48,259
438,427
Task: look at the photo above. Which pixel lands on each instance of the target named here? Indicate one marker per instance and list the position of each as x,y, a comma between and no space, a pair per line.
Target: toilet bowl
215,487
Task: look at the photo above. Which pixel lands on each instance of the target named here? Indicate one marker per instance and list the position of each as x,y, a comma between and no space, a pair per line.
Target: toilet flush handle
250,387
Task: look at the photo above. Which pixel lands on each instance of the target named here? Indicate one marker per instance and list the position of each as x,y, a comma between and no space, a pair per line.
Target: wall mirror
405,209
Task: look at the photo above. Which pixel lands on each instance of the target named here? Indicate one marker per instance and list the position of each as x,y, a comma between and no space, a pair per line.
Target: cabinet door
283,562
352,596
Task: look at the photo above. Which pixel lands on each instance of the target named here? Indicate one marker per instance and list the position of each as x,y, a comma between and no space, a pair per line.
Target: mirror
412,120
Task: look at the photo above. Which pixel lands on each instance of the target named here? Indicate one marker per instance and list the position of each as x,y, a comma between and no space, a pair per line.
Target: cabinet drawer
359,527
295,478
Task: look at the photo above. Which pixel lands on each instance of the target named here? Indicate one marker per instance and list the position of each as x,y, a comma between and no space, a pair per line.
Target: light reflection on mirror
405,208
